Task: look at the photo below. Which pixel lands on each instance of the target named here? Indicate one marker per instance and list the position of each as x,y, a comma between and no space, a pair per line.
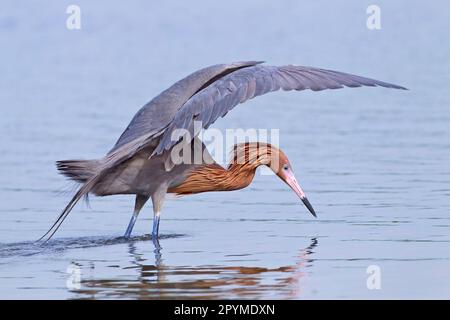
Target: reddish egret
137,164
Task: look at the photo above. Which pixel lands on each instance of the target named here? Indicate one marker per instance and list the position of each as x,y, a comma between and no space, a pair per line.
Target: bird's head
256,153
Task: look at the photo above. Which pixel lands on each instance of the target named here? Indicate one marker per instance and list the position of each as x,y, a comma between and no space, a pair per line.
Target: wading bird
140,162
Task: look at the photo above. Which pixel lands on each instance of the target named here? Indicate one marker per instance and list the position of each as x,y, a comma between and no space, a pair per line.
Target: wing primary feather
220,97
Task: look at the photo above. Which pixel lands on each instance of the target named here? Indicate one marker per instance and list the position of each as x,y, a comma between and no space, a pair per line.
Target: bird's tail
83,191
84,171
78,170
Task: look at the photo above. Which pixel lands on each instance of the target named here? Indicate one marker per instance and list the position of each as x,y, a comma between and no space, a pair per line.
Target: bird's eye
285,167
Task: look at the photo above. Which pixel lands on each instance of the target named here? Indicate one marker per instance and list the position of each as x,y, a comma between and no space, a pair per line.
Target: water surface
374,162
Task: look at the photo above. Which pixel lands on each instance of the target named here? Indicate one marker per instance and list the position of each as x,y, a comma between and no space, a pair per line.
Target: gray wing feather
224,94
158,113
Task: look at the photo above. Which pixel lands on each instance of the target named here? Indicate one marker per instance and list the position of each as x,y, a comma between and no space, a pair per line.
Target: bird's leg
131,224
158,199
155,234
139,203
155,231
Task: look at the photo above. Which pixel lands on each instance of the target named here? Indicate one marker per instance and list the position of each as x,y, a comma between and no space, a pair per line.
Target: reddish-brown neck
213,177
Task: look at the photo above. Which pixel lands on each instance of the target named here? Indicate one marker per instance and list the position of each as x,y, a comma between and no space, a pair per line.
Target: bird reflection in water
160,281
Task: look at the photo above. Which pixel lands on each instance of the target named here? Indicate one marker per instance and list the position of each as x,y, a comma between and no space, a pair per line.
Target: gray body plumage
137,162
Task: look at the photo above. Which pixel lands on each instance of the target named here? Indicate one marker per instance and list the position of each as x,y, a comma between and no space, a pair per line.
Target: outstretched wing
221,96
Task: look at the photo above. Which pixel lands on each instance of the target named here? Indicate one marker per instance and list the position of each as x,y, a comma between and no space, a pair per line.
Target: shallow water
374,162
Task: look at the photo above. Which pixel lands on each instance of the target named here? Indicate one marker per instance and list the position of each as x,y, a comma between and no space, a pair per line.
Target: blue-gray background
374,162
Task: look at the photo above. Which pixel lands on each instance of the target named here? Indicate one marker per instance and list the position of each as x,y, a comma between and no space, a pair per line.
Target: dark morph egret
140,162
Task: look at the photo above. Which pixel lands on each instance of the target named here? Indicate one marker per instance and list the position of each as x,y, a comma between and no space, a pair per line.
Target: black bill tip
309,206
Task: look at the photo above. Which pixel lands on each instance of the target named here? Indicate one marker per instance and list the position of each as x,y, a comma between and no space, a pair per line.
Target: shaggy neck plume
247,158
